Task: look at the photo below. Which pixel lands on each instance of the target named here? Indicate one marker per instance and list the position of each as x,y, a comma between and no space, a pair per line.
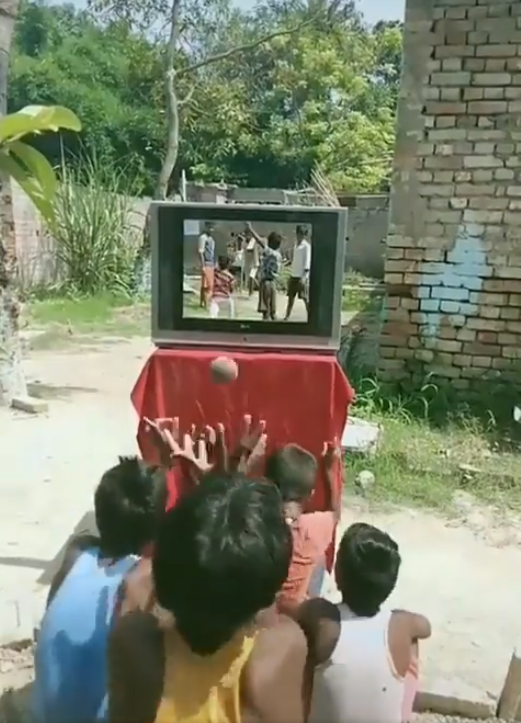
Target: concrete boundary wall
365,243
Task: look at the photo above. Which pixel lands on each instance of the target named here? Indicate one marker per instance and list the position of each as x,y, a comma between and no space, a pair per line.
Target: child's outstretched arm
331,458
259,239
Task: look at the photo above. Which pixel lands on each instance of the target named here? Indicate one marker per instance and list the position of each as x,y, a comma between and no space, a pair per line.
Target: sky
373,10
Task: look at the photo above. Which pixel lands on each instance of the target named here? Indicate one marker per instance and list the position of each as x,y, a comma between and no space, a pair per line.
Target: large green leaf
37,119
36,164
42,199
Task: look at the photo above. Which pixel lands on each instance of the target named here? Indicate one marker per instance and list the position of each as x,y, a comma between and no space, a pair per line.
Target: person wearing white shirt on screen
298,284
251,260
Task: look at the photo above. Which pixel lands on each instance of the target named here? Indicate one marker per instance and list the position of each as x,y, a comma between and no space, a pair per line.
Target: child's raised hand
251,435
331,453
216,447
191,450
257,454
252,444
164,434
194,450
192,453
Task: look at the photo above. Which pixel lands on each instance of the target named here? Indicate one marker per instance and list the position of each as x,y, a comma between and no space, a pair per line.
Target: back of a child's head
222,555
129,503
366,568
223,262
293,470
274,241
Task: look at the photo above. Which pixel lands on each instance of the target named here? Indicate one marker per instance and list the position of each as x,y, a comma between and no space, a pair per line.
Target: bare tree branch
188,96
245,47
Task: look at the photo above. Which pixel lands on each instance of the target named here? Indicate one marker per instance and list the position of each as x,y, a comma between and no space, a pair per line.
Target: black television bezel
323,327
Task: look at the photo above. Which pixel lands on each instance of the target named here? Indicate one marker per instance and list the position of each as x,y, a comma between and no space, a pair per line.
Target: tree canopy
263,117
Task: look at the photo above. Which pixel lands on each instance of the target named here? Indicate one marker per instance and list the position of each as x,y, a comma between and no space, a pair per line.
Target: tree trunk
142,268
172,106
12,380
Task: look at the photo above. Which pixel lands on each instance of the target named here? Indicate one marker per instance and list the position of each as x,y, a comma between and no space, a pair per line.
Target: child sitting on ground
223,286
221,555
294,471
369,654
88,590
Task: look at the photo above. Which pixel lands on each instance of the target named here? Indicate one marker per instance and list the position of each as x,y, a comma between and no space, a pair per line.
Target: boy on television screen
269,270
222,292
206,251
298,284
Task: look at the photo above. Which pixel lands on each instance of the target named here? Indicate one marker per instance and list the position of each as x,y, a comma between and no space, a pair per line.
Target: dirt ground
453,572
246,307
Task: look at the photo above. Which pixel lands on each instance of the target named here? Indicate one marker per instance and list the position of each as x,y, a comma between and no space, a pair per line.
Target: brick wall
453,262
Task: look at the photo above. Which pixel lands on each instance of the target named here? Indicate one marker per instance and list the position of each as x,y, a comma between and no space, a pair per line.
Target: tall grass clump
93,230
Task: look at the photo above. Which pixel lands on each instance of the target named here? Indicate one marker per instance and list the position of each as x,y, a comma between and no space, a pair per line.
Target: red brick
476,349
484,362
512,313
487,337
508,339
491,79
487,107
462,360
496,51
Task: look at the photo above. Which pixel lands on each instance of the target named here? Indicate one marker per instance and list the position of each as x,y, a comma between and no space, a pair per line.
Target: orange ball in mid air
224,370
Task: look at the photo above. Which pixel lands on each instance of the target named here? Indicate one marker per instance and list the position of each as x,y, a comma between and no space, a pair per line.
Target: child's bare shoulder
414,624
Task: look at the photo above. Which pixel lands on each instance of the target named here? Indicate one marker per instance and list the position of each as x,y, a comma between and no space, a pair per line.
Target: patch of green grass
82,311
192,305
358,292
354,299
426,455
63,319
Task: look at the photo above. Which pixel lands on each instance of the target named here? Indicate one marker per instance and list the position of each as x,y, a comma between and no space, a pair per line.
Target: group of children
264,272
211,611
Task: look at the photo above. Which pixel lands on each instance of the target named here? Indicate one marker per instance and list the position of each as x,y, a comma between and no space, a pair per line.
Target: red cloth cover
304,399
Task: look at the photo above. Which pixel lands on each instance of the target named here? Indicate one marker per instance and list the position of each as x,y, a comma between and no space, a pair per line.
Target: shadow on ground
55,391
15,704
87,524
31,563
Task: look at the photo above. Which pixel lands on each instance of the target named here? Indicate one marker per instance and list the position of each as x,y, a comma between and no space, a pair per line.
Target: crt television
226,275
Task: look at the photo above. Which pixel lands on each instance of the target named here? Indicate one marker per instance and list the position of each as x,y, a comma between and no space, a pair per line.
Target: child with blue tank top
71,652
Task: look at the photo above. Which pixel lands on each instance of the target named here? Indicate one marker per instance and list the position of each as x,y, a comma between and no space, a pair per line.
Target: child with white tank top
367,657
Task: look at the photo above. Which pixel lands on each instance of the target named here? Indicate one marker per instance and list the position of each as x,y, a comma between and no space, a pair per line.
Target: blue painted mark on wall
450,288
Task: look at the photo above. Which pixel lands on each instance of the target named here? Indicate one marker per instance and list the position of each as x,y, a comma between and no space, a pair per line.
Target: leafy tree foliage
263,117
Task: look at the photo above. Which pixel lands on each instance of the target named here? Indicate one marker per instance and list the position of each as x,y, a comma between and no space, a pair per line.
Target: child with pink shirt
294,471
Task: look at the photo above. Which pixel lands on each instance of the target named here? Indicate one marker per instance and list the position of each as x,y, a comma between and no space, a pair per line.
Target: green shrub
93,230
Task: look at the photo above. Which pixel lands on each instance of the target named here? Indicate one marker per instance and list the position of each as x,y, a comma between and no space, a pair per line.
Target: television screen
257,275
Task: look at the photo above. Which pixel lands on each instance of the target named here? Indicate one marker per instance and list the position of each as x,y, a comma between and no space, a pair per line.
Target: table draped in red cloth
304,398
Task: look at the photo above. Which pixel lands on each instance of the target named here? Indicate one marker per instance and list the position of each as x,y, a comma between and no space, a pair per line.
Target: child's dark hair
293,470
221,556
274,241
302,231
129,503
366,569
223,262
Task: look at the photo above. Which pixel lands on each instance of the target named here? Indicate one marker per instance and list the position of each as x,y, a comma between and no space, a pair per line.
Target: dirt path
469,588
